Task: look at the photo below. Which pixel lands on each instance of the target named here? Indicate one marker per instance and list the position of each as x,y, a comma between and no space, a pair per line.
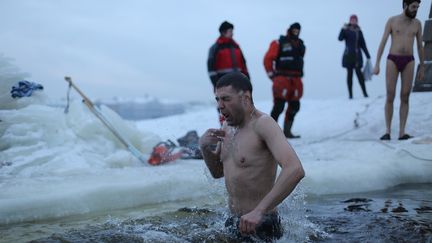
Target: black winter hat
295,26
225,26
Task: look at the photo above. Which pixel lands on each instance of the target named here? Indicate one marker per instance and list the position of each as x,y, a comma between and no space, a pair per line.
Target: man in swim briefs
250,146
403,29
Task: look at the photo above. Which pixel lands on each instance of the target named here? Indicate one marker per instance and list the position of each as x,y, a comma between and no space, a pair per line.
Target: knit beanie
225,26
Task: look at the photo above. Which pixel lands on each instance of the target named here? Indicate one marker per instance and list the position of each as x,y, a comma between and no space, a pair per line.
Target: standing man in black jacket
283,63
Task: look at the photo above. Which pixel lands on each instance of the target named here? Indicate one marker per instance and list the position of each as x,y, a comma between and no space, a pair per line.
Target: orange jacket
226,56
272,56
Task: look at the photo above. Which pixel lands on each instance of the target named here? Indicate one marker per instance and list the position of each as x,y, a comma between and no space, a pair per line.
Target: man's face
411,10
295,32
229,33
230,104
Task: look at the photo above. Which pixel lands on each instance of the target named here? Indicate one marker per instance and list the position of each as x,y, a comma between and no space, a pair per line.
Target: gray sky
132,48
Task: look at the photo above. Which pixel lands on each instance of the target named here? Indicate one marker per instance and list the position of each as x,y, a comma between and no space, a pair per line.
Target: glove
271,75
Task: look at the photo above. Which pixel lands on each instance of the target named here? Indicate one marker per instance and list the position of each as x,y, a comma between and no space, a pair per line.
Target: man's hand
249,222
210,137
421,72
270,75
376,70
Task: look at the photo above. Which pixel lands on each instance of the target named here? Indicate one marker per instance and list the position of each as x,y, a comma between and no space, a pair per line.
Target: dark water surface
400,214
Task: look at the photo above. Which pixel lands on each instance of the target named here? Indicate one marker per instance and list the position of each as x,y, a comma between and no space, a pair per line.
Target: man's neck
250,114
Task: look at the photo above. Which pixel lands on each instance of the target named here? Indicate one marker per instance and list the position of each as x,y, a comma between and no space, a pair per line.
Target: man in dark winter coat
352,57
283,63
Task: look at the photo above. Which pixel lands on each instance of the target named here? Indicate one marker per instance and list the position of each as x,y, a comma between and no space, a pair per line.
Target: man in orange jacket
283,63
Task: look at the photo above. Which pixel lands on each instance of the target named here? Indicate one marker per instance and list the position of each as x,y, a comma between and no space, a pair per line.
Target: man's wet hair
408,2
237,80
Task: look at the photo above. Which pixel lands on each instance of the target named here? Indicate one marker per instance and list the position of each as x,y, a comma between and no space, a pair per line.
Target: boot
363,87
362,83
287,130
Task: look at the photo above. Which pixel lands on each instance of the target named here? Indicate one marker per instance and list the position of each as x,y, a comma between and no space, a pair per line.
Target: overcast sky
136,47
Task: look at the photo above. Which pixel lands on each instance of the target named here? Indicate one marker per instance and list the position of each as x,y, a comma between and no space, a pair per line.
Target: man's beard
410,14
293,36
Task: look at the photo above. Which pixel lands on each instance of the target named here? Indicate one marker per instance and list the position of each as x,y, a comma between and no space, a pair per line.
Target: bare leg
407,78
391,80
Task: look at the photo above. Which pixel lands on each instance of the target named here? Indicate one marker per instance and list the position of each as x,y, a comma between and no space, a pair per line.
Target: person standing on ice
283,63
403,29
225,56
352,58
249,147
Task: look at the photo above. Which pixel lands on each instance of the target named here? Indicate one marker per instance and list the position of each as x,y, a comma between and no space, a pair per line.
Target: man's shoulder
397,19
212,47
274,42
264,117
400,17
264,122
394,19
417,21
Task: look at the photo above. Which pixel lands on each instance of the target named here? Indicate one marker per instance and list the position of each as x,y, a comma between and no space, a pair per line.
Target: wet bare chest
242,148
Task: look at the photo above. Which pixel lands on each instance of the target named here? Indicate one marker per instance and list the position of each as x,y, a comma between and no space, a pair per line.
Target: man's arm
290,175
302,48
363,45
420,50
270,57
211,63
244,63
291,168
212,156
387,31
342,33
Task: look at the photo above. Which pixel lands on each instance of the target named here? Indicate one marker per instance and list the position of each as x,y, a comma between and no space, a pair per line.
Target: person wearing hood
352,58
225,56
283,63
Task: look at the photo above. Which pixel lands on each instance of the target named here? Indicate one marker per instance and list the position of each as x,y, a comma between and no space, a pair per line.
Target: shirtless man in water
403,28
250,145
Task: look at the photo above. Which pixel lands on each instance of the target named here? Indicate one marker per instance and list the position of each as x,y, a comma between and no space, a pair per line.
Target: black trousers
279,105
360,78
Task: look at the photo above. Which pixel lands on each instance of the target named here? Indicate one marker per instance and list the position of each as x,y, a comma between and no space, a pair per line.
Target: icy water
403,213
